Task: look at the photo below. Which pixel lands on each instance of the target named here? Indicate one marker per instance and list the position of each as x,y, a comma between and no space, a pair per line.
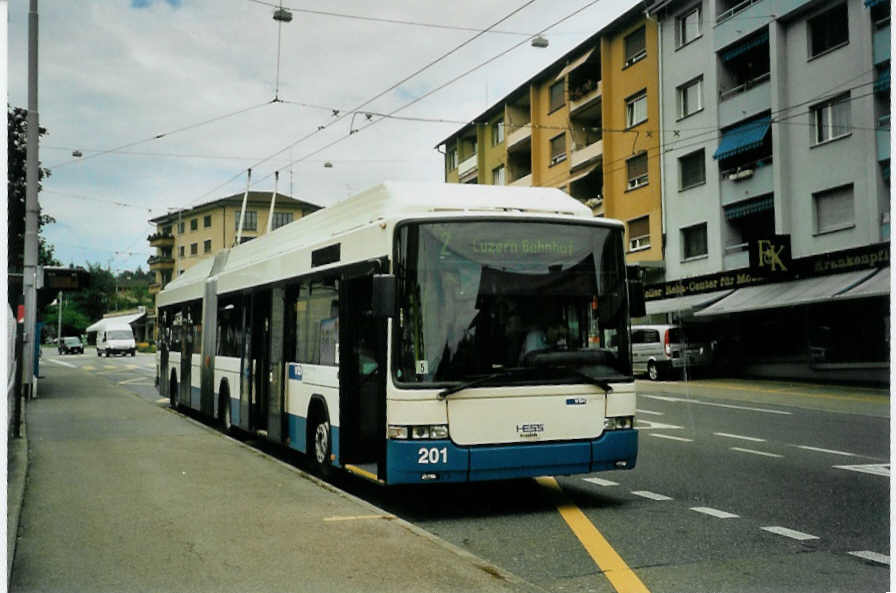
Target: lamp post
29,275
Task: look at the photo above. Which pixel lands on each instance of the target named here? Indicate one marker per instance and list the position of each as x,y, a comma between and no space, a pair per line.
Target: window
180,228
194,224
451,159
637,170
692,169
317,322
639,233
207,246
645,336
498,132
690,97
635,47
206,221
194,248
280,219
166,230
693,241
828,30
687,26
251,223
830,119
558,149
180,251
834,209
557,99
498,175
636,109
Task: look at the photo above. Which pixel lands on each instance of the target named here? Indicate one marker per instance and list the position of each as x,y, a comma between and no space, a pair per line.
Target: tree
17,147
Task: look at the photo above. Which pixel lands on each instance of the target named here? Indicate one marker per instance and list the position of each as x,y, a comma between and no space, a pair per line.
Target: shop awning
748,207
786,294
733,52
686,304
743,138
876,286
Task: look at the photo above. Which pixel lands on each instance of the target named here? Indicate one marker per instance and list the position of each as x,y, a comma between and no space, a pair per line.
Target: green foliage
17,135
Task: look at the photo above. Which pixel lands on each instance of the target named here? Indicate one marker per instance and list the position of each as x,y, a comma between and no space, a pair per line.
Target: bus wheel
652,372
320,447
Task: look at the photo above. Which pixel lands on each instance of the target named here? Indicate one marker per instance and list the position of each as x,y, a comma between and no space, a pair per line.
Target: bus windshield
526,302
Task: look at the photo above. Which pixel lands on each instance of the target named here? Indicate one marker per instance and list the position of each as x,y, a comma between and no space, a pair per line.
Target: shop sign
771,256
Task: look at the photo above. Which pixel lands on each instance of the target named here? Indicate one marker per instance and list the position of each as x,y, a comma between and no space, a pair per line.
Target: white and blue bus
417,333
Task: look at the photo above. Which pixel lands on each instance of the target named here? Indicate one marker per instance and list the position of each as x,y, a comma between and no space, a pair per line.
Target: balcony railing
728,93
159,239
730,12
160,261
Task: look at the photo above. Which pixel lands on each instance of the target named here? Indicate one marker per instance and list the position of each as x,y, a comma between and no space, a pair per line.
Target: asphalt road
739,487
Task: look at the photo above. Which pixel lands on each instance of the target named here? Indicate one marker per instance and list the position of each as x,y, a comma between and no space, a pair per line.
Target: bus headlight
619,423
421,431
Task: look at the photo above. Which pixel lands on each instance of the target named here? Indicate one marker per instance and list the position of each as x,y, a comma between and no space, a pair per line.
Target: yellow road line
359,517
623,579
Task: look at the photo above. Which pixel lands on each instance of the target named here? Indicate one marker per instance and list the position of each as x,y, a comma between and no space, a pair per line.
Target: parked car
658,349
71,345
119,340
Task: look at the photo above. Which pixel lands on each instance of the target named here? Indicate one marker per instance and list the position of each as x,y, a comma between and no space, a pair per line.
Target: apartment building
587,124
184,237
775,163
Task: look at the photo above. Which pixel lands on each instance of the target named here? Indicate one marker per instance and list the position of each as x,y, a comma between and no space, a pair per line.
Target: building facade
186,236
587,124
775,164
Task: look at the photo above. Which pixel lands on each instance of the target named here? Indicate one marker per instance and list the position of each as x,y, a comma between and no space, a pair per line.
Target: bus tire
224,417
172,391
319,445
653,373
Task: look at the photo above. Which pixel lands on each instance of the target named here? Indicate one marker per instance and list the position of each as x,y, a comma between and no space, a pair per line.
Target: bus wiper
481,381
603,384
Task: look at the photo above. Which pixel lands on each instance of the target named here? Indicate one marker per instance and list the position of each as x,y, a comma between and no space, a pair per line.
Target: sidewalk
846,399
124,495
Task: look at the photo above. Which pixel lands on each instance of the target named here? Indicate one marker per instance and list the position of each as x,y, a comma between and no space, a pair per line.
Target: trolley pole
29,277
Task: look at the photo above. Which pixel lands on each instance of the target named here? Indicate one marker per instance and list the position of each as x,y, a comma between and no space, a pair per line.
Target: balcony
883,138
161,239
155,288
468,168
736,257
585,95
747,181
518,136
745,100
524,181
584,155
160,262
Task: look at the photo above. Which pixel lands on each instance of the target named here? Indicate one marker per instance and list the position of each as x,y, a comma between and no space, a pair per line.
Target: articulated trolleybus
417,333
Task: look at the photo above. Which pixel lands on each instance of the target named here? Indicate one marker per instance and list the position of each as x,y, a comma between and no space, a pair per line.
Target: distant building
187,236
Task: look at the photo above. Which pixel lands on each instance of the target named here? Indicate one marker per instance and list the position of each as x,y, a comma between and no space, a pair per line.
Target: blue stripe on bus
234,411
297,430
195,397
407,461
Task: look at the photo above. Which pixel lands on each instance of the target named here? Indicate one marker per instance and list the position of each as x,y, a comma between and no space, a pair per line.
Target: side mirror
636,304
383,299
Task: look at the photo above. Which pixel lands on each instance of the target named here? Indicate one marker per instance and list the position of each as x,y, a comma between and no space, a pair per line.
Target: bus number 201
432,455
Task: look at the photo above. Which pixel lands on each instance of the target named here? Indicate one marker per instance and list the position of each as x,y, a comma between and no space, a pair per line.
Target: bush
145,347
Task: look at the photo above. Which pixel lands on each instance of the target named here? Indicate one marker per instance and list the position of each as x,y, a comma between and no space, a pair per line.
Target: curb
17,473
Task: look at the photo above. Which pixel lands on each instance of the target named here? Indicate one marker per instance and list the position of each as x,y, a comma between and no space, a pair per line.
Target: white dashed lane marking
820,450
601,482
715,513
702,403
651,495
872,556
791,533
878,469
650,413
739,437
755,452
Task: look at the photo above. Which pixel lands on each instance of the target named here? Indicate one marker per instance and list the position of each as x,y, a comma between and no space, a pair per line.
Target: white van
115,340
657,349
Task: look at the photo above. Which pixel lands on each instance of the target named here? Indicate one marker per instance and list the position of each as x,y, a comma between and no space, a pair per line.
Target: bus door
362,376
259,359
164,331
186,356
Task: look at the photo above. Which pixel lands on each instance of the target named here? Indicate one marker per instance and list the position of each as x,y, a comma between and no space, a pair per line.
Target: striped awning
743,138
736,50
741,209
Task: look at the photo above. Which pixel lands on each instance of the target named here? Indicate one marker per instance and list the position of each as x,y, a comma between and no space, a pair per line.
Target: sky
170,102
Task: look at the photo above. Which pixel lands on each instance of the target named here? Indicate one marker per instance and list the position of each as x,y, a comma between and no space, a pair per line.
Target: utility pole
59,323
29,279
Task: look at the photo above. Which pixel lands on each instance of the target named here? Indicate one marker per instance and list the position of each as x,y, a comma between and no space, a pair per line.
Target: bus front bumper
414,462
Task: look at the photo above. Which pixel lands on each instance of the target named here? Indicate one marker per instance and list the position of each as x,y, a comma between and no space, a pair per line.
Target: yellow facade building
184,237
587,124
